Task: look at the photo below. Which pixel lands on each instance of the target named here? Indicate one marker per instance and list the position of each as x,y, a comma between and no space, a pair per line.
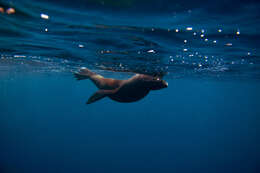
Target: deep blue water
207,120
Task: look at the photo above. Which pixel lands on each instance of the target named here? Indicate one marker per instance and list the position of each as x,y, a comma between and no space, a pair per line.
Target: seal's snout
165,84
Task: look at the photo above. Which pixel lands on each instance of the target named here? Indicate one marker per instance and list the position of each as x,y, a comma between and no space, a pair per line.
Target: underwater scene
129,86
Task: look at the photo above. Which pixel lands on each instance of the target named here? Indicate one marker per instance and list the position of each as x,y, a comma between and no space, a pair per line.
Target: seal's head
155,83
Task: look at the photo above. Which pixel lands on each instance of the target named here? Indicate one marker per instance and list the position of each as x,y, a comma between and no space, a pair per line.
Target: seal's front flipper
99,95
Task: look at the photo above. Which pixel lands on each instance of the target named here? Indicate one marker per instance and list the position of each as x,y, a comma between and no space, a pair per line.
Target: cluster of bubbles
198,60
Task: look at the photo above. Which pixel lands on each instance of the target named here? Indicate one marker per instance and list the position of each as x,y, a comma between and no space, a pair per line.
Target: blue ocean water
207,120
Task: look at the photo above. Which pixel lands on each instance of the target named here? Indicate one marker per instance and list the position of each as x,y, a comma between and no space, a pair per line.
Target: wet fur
131,90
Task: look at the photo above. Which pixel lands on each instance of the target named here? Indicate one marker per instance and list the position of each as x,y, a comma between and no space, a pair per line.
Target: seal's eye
156,79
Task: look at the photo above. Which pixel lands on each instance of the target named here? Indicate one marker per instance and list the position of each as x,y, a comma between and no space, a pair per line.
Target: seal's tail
83,73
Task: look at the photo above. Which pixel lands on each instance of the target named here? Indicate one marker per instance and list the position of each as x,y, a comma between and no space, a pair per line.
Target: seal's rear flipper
78,76
83,73
99,95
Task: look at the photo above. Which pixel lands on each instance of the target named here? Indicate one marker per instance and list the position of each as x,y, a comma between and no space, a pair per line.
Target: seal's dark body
130,90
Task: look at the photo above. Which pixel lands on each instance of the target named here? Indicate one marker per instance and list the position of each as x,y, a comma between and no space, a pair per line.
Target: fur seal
126,91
